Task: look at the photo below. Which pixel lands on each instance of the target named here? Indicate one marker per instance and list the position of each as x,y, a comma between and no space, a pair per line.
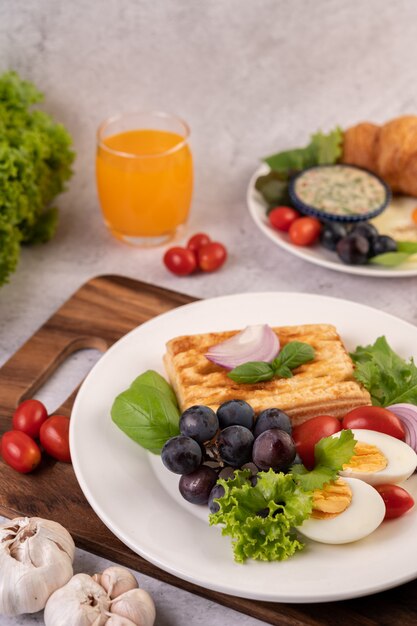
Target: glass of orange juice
144,173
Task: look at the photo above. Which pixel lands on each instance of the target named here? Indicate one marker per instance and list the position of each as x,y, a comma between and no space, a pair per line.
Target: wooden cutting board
96,316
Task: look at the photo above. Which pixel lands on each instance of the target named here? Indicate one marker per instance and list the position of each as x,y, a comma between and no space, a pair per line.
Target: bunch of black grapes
213,445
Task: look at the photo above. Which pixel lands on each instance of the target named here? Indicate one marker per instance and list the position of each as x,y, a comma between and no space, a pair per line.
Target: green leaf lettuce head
260,519
147,412
388,378
35,163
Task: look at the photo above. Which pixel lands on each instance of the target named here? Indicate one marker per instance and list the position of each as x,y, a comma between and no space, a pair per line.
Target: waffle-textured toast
324,386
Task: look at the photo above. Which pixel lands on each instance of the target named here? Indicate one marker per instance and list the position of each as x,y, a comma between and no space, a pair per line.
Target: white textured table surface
250,78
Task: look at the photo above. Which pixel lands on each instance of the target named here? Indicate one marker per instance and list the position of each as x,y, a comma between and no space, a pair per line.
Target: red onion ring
408,416
254,343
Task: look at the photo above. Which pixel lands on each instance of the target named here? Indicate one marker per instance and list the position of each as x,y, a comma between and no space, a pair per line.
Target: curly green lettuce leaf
35,163
260,519
388,378
330,454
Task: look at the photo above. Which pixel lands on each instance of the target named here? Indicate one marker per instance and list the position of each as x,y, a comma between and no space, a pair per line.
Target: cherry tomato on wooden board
54,437
306,435
281,217
375,418
20,451
397,500
197,241
29,417
180,261
211,256
304,231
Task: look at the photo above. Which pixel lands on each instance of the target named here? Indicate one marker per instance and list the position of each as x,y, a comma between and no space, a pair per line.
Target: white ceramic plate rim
103,458
315,254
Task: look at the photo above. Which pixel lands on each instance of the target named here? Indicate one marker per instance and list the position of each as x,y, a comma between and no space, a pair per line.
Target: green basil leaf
283,372
390,259
292,355
252,372
153,379
146,415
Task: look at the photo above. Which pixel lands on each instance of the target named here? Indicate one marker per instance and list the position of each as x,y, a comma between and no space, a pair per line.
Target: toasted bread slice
324,386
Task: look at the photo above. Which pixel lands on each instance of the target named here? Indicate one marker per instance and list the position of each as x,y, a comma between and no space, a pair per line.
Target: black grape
272,418
235,412
181,455
273,449
196,487
234,444
216,492
199,422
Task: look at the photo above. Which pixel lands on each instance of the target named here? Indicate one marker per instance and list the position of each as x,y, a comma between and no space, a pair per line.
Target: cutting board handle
32,365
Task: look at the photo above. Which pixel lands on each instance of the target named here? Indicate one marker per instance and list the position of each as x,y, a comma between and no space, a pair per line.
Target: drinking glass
144,174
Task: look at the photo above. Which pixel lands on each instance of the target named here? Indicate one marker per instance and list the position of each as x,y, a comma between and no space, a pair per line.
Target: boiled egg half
379,458
344,511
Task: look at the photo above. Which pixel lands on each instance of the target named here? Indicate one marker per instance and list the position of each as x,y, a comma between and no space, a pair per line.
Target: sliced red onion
254,343
408,416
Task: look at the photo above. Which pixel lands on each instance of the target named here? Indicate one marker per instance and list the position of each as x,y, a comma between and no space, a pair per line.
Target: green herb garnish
292,355
388,378
35,163
147,412
330,454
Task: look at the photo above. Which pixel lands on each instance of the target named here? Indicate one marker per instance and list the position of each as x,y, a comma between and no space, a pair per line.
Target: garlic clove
81,602
36,558
97,578
117,580
137,605
118,620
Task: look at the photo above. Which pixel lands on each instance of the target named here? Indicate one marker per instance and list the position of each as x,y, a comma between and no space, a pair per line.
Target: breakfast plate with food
347,201
261,445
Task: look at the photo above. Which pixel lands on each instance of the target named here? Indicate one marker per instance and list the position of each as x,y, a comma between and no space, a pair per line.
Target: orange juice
144,181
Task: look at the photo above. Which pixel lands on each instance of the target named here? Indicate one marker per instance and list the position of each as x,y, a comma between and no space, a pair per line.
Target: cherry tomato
397,500
54,437
306,435
198,240
180,261
20,451
304,231
282,217
211,256
29,417
375,418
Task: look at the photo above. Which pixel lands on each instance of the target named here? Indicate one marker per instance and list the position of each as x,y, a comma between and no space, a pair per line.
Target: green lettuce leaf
388,378
260,519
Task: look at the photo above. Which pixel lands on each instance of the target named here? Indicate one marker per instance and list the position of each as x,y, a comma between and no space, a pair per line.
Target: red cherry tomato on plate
211,256
375,418
281,217
197,241
54,437
20,451
304,231
397,500
29,417
306,435
180,261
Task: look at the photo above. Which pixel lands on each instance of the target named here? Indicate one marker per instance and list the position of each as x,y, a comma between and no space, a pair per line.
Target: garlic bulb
117,620
137,605
117,580
81,602
36,558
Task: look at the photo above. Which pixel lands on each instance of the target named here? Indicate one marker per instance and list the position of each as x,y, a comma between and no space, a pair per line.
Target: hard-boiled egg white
364,514
401,459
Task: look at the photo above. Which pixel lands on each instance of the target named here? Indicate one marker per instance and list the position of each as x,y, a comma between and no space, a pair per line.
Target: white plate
137,498
317,254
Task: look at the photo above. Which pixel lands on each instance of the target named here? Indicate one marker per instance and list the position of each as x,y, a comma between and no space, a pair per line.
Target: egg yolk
331,500
366,458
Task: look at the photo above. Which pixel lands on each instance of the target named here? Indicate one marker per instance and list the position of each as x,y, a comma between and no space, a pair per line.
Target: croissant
389,151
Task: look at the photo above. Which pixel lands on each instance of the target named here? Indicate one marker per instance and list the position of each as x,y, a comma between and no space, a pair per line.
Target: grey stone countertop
250,78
